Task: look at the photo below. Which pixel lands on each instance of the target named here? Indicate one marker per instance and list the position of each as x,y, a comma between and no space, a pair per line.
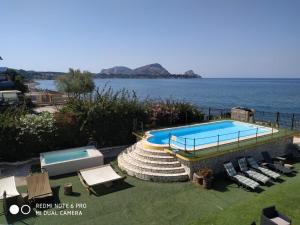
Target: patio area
141,202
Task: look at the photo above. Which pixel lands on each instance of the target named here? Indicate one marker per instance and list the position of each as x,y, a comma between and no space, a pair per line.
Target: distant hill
189,73
154,70
151,71
30,74
117,70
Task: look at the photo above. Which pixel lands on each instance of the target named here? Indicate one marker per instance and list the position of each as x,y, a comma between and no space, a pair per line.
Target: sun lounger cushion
275,165
8,185
246,181
99,175
264,170
257,176
269,173
239,178
280,221
251,173
230,169
288,165
243,164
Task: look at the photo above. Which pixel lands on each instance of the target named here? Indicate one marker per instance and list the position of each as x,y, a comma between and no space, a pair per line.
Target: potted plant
207,177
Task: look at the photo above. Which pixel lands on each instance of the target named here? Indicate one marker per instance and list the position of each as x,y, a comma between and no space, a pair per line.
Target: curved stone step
158,177
151,152
154,163
161,158
139,147
143,167
151,164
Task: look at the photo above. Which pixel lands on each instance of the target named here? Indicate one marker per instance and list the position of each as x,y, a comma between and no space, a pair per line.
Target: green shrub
24,135
169,112
36,133
109,117
69,133
8,133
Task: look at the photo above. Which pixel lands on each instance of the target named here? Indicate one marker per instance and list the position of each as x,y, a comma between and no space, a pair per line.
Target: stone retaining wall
112,152
216,163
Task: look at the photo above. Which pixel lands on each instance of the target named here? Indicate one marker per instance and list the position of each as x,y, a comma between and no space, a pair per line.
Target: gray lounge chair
270,216
253,164
238,178
275,165
252,173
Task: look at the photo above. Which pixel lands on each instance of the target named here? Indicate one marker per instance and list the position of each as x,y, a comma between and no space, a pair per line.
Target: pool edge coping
147,134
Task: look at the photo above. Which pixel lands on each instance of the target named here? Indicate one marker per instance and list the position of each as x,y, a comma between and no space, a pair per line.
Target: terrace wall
275,148
112,152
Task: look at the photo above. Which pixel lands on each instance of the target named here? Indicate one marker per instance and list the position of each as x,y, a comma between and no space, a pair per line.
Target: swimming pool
70,160
64,156
206,135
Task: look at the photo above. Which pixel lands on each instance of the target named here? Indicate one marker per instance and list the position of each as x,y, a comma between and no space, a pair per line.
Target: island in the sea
151,71
154,70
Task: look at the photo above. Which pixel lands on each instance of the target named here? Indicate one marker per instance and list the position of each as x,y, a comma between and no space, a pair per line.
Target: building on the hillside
9,97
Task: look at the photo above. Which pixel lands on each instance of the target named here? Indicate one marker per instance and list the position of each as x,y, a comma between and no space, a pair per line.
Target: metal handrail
187,144
213,135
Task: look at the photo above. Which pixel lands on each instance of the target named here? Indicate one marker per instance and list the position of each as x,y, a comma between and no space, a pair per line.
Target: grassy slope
141,202
285,196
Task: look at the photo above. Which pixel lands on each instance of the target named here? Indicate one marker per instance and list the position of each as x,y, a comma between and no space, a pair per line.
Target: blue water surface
206,133
271,95
65,155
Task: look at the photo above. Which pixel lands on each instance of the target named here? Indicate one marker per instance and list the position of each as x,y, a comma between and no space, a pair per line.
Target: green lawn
140,202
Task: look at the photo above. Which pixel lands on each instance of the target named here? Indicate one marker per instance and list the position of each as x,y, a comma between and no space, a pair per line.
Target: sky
215,38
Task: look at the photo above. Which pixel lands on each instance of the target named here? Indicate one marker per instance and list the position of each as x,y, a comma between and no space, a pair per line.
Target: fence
193,144
272,119
278,119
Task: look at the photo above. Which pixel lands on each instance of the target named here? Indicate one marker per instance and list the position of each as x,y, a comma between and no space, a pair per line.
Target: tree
76,84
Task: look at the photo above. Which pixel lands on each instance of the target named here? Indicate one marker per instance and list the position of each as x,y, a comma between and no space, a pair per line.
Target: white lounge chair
8,185
98,175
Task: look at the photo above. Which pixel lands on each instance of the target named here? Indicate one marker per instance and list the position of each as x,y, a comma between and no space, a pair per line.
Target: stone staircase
151,164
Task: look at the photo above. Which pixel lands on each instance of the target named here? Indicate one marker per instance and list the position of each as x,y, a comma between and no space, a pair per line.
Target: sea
270,95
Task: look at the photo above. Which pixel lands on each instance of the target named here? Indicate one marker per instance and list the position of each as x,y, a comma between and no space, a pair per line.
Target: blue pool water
206,133
65,155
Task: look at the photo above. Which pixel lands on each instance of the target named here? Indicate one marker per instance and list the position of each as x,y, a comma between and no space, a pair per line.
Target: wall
72,165
216,164
112,152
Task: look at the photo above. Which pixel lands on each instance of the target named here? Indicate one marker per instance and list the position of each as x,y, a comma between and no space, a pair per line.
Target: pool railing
234,145
193,144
